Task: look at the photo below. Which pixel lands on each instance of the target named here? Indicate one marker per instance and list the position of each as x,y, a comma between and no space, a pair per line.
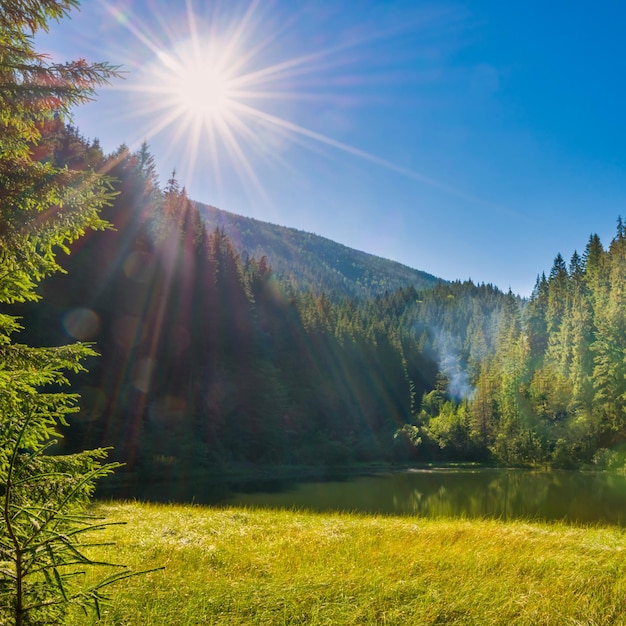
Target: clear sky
470,140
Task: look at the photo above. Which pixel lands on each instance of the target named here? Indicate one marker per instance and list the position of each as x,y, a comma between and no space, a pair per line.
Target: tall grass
241,566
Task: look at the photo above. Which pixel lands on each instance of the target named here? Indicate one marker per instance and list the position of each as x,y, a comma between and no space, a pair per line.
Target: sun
217,89
210,87
202,93
193,85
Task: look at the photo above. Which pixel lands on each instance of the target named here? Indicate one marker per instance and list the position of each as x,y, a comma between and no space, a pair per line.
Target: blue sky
470,140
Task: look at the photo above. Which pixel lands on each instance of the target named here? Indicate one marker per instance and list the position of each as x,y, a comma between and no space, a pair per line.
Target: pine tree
594,261
609,376
43,209
535,318
557,294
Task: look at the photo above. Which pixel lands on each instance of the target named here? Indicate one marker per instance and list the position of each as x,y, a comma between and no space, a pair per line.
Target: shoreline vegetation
259,566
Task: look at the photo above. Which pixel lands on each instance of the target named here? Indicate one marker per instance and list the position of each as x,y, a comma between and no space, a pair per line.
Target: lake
584,497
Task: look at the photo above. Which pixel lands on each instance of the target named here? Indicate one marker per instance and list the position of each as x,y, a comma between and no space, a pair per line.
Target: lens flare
81,323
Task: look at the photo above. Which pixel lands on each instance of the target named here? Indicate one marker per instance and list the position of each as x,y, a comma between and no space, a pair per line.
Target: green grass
240,566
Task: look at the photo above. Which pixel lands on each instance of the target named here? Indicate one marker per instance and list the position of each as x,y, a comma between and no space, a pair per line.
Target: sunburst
208,88
203,86
195,86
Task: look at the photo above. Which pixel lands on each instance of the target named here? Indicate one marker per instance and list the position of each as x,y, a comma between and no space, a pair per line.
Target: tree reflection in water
472,493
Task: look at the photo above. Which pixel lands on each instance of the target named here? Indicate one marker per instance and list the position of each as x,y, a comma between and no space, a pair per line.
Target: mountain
311,261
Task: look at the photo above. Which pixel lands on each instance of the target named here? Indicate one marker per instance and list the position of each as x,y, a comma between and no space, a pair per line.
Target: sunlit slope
311,261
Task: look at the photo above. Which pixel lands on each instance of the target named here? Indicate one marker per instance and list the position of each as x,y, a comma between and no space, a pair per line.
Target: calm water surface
506,494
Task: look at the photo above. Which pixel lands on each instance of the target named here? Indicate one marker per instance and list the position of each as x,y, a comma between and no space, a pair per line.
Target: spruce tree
43,209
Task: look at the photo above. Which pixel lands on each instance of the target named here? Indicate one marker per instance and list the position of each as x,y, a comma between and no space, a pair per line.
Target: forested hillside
209,359
309,261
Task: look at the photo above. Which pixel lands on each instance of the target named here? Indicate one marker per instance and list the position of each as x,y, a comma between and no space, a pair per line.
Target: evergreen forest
210,360
308,261
176,345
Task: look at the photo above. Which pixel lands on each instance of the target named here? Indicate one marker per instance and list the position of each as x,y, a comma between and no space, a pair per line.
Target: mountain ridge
313,261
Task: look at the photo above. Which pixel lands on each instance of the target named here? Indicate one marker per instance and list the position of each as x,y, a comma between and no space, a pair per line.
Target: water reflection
505,494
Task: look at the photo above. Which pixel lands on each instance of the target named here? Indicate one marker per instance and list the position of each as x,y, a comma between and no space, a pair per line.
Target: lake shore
258,566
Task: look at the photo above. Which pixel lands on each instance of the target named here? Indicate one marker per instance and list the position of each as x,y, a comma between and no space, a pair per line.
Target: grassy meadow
241,566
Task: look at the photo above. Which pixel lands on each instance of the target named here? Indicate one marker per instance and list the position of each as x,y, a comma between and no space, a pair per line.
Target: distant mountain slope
311,261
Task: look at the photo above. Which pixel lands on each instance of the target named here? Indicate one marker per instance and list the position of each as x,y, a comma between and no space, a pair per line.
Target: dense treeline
209,360
554,389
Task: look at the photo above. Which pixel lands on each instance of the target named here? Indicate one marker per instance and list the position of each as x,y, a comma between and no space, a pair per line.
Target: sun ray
240,158
128,23
214,159
238,37
298,66
362,154
191,154
253,139
207,80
